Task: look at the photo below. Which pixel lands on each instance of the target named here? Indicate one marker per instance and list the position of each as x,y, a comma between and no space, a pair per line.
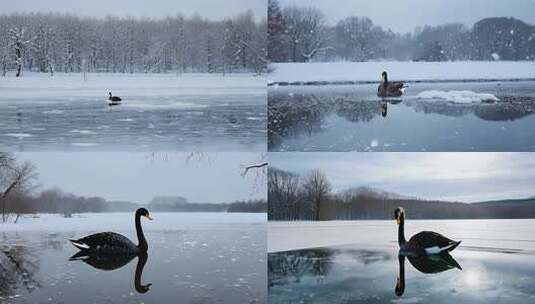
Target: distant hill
371,205
121,206
375,193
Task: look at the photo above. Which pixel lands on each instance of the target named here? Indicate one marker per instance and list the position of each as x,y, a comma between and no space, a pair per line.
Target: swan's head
143,212
400,288
384,76
399,214
109,93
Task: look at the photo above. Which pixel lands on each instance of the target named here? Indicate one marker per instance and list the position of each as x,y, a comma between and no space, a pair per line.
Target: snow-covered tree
45,42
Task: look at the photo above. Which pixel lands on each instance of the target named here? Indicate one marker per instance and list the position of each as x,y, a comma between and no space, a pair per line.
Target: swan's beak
148,216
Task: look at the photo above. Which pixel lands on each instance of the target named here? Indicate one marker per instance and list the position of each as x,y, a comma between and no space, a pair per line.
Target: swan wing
432,242
104,241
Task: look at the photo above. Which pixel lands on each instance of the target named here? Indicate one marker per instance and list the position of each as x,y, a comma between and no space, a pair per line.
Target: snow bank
407,71
457,96
510,234
125,221
72,86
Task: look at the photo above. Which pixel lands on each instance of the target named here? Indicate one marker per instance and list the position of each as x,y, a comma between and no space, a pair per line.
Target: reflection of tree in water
18,267
366,257
297,114
358,111
292,266
509,108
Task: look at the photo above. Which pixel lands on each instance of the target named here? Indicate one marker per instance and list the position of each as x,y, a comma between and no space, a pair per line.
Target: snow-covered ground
125,221
490,234
33,87
406,71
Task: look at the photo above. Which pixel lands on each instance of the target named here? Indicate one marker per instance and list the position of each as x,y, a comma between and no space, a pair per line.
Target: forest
301,34
309,197
20,195
49,43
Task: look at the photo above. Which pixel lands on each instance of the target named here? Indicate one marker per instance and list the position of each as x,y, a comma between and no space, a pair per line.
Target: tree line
294,197
301,34
66,43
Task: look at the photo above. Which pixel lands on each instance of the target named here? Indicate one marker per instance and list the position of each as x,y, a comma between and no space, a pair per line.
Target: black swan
390,89
114,243
423,243
114,100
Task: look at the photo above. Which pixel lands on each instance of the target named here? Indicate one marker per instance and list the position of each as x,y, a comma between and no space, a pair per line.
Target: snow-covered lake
194,257
159,112
439,116
357,262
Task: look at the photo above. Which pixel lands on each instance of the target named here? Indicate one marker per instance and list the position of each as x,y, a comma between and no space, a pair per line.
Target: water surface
352,118
495,263
208,263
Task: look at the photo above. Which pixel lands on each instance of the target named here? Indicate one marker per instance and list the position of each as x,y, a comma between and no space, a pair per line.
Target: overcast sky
211,9
138,177
466,177
403,16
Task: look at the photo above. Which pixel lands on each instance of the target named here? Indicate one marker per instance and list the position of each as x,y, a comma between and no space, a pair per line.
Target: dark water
226,265
217,123
352,118
354,274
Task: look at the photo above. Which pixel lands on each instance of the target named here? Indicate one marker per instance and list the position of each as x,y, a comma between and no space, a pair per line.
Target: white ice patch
176,105
80,144
82,131
457,96
18,135
57,112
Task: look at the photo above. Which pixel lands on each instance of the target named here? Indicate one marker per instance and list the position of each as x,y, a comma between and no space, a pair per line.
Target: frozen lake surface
359,263
193,258
159,112
442,116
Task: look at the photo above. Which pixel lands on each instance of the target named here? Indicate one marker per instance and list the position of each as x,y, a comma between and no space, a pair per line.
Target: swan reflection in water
383,105
112,262
424,264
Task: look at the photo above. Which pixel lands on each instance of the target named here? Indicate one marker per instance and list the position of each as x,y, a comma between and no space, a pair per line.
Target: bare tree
14,179
317,188
283,195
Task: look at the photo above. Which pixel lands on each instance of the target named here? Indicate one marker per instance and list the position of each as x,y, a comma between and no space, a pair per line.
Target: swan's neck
142,242
401,231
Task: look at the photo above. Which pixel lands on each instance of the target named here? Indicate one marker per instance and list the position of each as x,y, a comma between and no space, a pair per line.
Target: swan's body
114,100
114,243
423,243
390,89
